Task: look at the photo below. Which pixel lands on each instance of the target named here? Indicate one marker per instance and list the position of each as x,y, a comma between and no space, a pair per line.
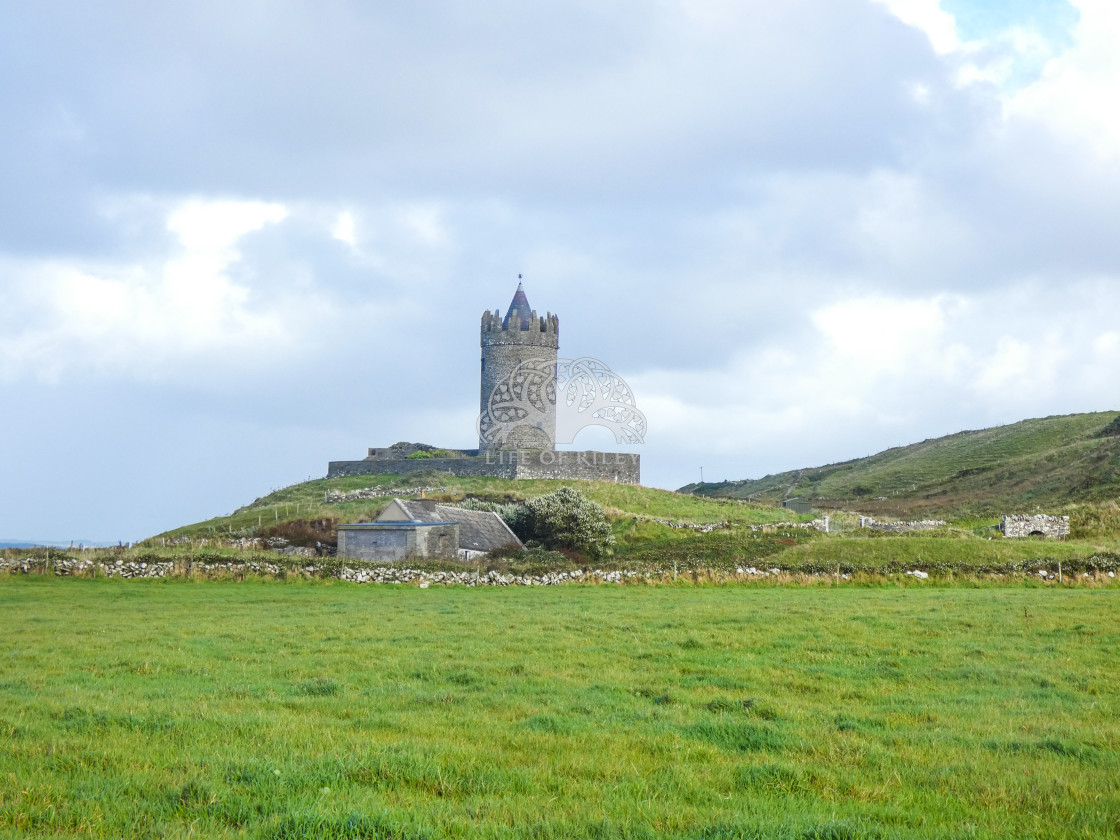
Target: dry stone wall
902,527
707,527
335,496
1095,569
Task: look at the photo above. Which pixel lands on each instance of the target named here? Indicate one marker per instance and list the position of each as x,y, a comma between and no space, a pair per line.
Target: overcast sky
239,240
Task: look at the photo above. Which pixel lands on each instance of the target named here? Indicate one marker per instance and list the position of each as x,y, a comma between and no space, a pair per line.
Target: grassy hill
308,501
639,516
1049,462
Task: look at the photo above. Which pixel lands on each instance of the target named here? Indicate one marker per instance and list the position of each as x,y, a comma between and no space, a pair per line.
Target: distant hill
1044,463
9,543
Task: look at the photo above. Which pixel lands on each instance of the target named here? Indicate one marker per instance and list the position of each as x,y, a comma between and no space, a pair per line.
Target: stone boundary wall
1103,569
623,467
817,524
77,567
397,466
707,527
336,496
1024,525
902,527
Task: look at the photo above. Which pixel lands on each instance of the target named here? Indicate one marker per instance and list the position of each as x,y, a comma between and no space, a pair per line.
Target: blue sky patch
982,20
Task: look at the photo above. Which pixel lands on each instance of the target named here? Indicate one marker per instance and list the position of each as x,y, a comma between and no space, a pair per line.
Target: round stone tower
518,397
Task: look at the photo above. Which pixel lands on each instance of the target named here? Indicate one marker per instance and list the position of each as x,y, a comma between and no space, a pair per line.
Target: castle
517,414
517,409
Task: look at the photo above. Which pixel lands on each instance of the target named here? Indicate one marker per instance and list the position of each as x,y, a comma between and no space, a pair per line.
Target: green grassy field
947,552
1005,469
282,710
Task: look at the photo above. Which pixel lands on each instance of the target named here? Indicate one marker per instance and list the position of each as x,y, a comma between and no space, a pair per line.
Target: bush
512,513
566,519
432,453
302,532
1111,430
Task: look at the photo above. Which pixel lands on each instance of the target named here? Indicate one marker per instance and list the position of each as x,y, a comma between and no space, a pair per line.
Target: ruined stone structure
517,418
1039,525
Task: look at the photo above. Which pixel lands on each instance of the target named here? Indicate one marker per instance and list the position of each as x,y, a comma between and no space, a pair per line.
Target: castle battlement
543,331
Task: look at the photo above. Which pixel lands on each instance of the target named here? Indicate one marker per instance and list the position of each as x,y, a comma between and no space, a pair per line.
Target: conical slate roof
519,309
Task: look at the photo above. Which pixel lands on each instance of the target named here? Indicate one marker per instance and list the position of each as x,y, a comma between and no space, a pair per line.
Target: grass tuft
318,687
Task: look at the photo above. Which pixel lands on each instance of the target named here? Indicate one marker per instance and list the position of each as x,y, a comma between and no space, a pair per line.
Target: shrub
566,519
303,532
432,453
1111,430
512,513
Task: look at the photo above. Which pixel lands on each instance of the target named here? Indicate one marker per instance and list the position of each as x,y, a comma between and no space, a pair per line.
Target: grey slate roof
519,310
479,530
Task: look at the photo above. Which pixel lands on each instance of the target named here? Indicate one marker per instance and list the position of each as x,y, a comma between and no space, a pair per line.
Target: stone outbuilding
421,529
389,542
1039,525
480,531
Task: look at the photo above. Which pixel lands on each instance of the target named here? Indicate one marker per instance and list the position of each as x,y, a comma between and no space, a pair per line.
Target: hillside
1049,462
308,501
308,514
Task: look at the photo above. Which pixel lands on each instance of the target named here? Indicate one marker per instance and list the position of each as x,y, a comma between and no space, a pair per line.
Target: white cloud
1076,96
927,15
426,223
880,368
1107,344
207,227
1007,59
344,228
875,336
67,315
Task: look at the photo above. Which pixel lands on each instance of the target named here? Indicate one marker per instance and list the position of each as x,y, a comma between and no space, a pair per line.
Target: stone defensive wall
623,467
